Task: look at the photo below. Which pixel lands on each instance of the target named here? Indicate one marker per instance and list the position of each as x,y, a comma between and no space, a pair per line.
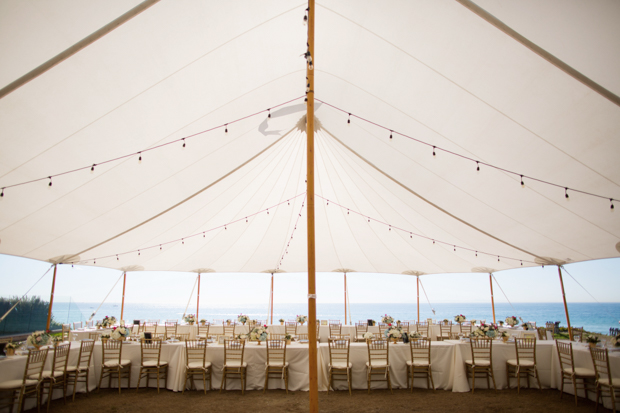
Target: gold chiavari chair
335,330
378,364
524,364
77,324
170,329
151,363
420,364
453,336
66,331
542,333
290,328
360,330
203,331
28,386
572,374
481,363
404,325
95,336
413,327
112,365
274,336
466,329
276,363
182,336
56,377
228,330
154,321
423,328
90,323
334,322
196,364
150,327
382,327
79,373
577,334
444,331
605,382
339,364
233,363
175,321
549,326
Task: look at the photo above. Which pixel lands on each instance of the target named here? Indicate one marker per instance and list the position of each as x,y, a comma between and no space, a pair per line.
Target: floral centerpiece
615,341
592,340
386,319
446,321
105,337
281,321
503,335
414,335
38,339
485,330
394,333
368,336
56,340
501,323
301,319
11,347
108,321
228,321
190,319
460,318
119,333
203,321
473,321
260,333
242,319
288,338
242,337
512,321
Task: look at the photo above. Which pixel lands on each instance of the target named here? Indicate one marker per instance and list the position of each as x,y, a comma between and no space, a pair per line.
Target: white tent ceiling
435,73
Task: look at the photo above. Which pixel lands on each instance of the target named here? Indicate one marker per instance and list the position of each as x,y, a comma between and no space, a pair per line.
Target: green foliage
29,315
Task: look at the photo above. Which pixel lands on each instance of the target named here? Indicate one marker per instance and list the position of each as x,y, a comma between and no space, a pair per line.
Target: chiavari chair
234,366
203,331
112,365
79,373
196,364
481,363
290,328
605,382
524,364
66,331
572,374
276,362
360,330
151,363
29,385
339,364
378,364
420,364
56,377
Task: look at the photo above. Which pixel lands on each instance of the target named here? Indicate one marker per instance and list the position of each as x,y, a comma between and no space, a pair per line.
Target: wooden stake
198,299
49,311
312,352
570,332
123,301
492,301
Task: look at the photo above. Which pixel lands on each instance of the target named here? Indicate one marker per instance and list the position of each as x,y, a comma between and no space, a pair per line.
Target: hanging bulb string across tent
478,163
139,153
292,233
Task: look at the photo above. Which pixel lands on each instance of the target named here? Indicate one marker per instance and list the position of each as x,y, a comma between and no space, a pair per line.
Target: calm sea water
595,317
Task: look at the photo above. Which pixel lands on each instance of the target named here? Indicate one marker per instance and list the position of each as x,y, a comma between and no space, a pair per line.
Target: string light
433,151
92,168
160,247
50,184
2,193
306,16
498,258
390,134
476,253
184,142
226,128
522,184
566,192
349,120
454,248
182,241
140,157
138,252
612,203
268,113
477,166
390,228
116,257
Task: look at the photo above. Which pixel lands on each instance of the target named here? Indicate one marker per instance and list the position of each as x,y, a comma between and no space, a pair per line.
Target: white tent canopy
231,195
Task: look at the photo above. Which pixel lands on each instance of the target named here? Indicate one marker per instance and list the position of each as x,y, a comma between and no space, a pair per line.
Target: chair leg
575,388
286,379
473,379
139,380
223,383
389,381
493,378
349,381
266,385
430,374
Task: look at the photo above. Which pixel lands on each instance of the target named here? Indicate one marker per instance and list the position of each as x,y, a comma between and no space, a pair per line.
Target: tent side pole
123,299
198,299
49,311
570,331
418,286
312,350
492,300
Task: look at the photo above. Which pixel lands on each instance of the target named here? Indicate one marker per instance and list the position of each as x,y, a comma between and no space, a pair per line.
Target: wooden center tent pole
570,330
345,298
418,285
123,300
49,311
198,299
492,301
312,348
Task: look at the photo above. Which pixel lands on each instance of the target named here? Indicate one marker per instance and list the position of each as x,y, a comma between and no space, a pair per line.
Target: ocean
594,317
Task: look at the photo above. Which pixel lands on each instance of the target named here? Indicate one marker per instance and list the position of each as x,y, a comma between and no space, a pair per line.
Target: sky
601,279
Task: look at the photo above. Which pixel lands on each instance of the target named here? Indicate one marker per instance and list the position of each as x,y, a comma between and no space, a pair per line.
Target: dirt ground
147,400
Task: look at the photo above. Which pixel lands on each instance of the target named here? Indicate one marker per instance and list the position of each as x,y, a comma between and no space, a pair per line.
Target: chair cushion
197,365
483,363
16,384
114,363
378,364
153,363
420,363
235,363
340,365
46,375
71,369
276,364
581,371
524,363
615,381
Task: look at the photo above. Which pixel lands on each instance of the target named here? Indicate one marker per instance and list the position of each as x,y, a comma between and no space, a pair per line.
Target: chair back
86,352
172,321
453,336
600,359
35,364
61,356
420,349
577,334
151,350
423,328
204,330
466,329
445,330
66,330
111,350
94,336
339,351
526,349
335,330
290,328
481,349
565,353
90,323
195,351
378,352
171,329
229,330
233,351
542,333
362,323
334,322
77,324
150,327
404,325
276,352
361,329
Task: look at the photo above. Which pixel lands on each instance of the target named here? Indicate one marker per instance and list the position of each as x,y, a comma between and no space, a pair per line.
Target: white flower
369,336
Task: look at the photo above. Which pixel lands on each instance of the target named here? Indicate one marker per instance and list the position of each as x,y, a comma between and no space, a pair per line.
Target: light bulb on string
611,200
411,235
182,241
390,228
268,113
477,166
226,128
267,211
246,219
306,16
476,253
92,168
2,193
160,247
522,184
50,178
454,248
347,212
433,242
140,157
498,258
116,257
390,134
522,263
349,120
184,142
566,193
138,252
433,151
